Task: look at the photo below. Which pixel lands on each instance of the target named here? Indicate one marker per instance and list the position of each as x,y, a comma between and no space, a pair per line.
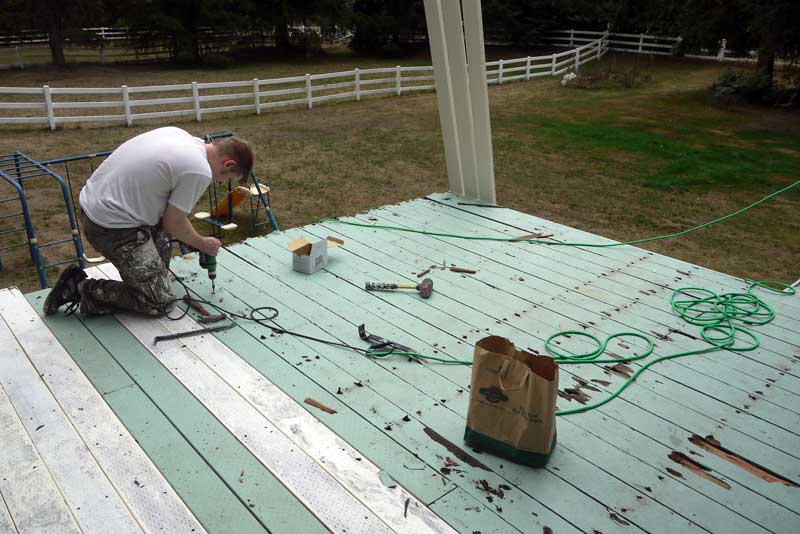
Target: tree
57,18
520,22
188,21
385,26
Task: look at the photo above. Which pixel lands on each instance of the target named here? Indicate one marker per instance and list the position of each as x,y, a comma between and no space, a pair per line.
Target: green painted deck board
691,398
751,374
327,374
199,457
602,376
389,248
509,218
732,502
738,400
612,470
433,393
781,408
582,265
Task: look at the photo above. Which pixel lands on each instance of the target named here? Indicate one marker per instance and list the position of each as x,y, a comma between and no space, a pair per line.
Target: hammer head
425,288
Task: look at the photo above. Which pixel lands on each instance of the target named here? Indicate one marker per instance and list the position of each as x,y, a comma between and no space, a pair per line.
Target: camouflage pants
142,256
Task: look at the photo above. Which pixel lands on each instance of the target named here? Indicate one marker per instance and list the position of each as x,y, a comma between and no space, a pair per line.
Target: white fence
61,105
637,43
114,45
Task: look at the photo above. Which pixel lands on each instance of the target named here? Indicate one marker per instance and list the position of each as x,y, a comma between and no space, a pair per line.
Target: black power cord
254,312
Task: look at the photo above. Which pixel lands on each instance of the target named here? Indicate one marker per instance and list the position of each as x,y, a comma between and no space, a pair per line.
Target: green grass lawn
624,163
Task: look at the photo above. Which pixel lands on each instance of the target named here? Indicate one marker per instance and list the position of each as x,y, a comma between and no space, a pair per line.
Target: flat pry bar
190,333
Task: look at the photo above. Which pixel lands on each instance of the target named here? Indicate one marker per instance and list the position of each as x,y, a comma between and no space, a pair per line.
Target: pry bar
377,342
191,333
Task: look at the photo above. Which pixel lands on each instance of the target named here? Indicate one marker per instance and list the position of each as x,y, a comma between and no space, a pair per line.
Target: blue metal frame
16,180
16,167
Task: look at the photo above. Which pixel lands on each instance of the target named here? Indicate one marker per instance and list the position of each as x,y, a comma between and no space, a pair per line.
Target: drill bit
213,288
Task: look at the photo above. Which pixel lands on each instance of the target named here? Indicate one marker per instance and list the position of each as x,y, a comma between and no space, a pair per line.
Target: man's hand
209,245
178,226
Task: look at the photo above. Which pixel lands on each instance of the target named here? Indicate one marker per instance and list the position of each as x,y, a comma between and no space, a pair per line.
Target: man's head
231,160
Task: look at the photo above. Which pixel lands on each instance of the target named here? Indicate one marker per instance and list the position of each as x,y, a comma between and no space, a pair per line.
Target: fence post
126,105
19,58
256,96
722,46
599,47
196,100
358,84
500,72
48,102
577,59
528,68
571,38
553,68
641,42
309,102
398,72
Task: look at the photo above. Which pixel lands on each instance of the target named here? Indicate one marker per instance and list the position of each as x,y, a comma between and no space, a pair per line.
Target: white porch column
462,95
479,98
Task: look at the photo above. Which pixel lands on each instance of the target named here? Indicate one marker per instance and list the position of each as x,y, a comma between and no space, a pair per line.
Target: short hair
238,150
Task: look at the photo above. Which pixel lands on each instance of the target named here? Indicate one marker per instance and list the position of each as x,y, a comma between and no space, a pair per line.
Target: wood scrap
532,236
423,273
476,205
319,405
462,270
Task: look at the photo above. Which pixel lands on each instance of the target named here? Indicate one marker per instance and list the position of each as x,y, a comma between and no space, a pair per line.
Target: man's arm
176,223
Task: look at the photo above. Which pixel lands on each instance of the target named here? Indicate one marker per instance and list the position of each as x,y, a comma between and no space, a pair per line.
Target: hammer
207,316
425,287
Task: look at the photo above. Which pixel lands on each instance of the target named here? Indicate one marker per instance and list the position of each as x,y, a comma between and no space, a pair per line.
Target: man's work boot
65,291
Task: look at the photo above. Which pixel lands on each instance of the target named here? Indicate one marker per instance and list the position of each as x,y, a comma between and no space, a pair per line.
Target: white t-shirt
132,187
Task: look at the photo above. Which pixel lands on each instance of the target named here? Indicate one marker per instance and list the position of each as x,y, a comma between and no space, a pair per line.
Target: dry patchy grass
621,163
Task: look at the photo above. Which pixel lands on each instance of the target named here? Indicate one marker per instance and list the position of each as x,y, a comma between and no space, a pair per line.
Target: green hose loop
591,357
716,315
770,286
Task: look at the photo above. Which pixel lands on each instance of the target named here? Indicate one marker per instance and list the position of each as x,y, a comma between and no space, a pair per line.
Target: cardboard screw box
308,257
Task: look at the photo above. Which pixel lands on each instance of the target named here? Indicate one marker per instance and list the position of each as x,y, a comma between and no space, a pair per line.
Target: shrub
734,86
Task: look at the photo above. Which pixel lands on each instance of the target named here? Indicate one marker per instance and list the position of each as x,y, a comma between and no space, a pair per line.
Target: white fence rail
637,43
108,44
52,106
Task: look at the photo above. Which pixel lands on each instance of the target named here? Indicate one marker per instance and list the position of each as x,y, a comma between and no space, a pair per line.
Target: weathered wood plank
144,491
360,477
739,399
743,494
713,279
273,269
640,268
91,497
748,374
321,492
28,493
470,515
6,524
482,297
395,419
161,414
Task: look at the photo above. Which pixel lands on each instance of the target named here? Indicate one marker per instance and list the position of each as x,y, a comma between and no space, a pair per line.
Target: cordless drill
209,263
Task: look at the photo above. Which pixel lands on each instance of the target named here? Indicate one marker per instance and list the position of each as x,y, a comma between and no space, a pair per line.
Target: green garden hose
564,243
717,315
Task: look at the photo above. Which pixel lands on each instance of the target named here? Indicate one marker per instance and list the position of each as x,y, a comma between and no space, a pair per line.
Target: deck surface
102,431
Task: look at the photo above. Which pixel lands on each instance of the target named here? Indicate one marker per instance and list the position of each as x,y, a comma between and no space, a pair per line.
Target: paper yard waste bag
512,402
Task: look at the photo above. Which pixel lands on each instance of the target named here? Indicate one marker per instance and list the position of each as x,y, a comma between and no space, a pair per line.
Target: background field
621,162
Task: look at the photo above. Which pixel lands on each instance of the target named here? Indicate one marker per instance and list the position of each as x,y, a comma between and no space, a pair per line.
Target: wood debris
317,404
